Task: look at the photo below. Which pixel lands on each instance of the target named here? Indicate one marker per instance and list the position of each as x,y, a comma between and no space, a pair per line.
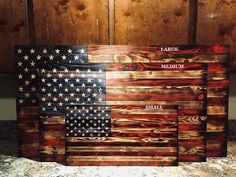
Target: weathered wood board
71,22
157,22
216,24
13,30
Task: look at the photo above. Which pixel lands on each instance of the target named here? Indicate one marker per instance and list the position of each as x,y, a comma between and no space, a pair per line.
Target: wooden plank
216,24
52,139
163,24
69,22
13,30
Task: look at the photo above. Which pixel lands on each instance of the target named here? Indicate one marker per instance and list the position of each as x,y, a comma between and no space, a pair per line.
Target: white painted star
94,85
55,99
66,79
82,51
69,51
49,94
33,76
32,51
83,94
54,89
21,101
60,104
77,80
60,85
57,51
19,51
60,95
20,63
43,89
54,80
20,76
51,57
43,70
26,57
26,70
76,57
45,51
32,63
77,70
89,80
27,82
95,94
66,89
38,57
43,99
66,99
49,75
72,85
54,70
83,85
43,79
49,104
21,89
43,109
77,90
63,57
27,95
60,75
33,89
66,70
72,94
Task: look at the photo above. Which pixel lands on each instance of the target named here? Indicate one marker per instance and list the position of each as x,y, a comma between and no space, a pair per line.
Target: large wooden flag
32,58
122,135
215,56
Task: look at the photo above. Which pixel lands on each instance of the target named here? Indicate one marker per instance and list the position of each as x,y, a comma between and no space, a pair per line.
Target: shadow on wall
233,86
7,86
7,97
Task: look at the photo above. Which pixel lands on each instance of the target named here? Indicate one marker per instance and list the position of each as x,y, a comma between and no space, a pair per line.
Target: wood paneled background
115,22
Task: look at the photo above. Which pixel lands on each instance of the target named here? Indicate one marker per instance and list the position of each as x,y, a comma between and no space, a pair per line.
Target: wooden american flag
124,85
31,58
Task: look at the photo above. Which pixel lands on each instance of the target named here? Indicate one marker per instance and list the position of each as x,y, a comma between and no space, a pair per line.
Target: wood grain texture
216,24
151,22
71,22
28,132
13,30
52,139
215,56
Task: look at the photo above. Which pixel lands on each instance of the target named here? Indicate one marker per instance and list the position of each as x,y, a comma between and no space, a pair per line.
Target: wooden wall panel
13,30
216,24
71,21
151,22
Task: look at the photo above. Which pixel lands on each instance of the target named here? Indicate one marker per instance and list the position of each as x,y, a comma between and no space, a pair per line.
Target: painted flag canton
83,84
88,121
31,58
